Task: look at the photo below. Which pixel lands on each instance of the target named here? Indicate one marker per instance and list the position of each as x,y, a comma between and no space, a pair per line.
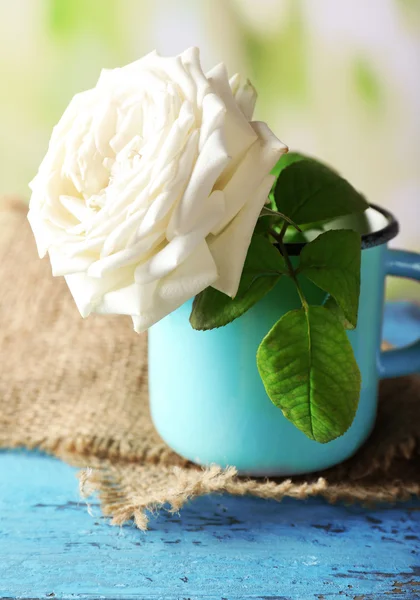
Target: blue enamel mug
208,401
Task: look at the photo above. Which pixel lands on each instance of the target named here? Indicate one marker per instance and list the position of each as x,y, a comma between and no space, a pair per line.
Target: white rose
152,186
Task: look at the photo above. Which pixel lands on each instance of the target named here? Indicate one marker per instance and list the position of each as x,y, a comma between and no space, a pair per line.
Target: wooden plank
220,546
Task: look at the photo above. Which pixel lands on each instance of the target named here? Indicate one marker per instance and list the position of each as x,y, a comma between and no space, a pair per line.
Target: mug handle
406,360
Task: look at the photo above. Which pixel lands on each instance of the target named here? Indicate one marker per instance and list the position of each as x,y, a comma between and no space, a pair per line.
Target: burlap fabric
78,389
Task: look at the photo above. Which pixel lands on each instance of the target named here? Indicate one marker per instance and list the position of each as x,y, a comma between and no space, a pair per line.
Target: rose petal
189,279
211,161
128,256
244,94
239,134
229,249
214,111
67,265
88,292
260,158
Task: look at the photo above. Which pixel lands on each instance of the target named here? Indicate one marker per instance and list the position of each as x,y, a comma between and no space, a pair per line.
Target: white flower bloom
152,186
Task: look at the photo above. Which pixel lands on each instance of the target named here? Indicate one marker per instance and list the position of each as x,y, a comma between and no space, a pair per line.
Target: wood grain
220,547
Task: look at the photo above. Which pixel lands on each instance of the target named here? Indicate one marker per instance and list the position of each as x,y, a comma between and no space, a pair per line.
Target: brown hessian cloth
77,389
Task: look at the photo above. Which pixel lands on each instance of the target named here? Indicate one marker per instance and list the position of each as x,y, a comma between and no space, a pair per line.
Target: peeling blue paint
219,547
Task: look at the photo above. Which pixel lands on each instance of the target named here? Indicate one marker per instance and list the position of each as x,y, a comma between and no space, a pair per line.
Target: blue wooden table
219,547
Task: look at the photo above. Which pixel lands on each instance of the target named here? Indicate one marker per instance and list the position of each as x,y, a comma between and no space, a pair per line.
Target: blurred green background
339,79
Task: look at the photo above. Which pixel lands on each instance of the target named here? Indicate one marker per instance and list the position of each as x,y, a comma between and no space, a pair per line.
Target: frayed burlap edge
122,500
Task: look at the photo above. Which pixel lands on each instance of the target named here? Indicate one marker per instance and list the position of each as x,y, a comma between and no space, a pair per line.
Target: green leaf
287,159
262,269
308,191
264,224
269,212
294,237
332,262
309,229
309,371
335,310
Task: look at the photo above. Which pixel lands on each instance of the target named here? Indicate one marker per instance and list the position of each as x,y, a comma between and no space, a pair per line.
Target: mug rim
369,240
